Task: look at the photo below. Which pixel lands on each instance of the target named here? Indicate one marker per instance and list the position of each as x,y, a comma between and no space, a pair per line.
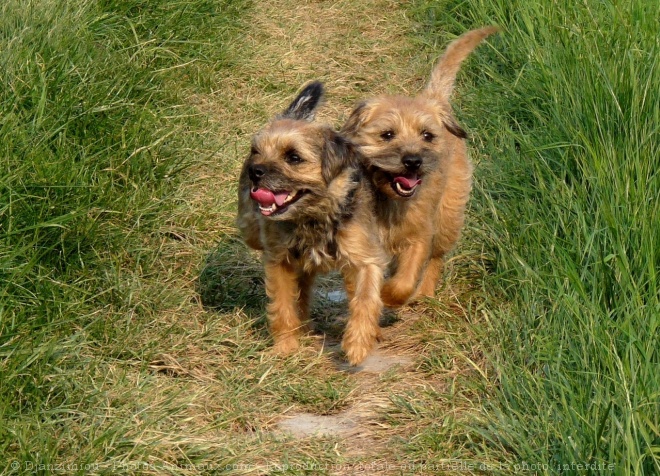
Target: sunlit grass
94,132
564,106
132,333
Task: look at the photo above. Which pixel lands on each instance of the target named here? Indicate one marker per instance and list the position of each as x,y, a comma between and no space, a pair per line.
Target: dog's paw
286,346
357,348
355,354
425,291
394,294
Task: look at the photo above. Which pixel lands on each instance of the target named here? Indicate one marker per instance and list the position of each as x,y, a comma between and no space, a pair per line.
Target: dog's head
402,139
295,165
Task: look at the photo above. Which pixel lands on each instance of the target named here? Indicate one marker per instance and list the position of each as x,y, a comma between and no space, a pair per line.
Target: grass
95,134
132,334
124,346
565,108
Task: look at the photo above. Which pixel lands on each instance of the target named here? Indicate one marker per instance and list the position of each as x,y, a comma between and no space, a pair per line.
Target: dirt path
357,49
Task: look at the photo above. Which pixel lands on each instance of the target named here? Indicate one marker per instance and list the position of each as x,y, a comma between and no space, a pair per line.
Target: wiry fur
403,139
331,225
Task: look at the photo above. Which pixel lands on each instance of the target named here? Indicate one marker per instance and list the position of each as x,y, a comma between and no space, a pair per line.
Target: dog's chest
312,245
402,223
315,248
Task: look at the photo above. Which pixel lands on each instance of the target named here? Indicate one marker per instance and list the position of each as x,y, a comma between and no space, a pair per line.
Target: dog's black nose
412,162
256,172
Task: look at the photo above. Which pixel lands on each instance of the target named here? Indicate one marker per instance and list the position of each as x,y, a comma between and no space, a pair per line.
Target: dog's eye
254,151
292,157
427,136
387,135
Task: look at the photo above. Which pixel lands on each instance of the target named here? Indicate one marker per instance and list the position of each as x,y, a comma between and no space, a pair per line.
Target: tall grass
565,105
93,133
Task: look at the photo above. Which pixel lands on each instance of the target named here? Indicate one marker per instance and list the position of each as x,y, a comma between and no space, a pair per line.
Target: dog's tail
305,103
442,80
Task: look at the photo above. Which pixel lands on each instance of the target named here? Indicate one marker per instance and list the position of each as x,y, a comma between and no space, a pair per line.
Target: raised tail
443,76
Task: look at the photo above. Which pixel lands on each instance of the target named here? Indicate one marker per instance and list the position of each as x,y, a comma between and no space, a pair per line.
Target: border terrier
415,155
303,202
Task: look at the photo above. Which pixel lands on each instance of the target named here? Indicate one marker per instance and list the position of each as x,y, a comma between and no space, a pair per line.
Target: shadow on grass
233,278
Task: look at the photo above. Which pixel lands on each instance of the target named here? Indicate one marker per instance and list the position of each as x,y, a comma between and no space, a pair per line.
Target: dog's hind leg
430,278
450,217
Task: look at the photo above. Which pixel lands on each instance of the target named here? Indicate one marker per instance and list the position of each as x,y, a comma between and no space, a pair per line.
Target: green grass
564,110
95,131
125,347
134,342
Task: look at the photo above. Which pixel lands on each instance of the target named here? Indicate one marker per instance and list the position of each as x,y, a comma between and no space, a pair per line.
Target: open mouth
405,185
273,203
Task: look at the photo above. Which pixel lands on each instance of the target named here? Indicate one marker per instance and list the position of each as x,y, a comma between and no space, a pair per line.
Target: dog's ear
452,126
358,116
305,104
443,76
338,153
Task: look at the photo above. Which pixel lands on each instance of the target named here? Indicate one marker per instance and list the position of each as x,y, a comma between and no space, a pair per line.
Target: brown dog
416,158
303,201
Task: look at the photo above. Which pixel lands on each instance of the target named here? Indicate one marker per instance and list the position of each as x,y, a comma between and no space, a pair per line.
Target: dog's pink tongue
407,182
266,198
280,197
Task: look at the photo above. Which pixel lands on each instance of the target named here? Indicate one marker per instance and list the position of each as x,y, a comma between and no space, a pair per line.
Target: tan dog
303,201
416,157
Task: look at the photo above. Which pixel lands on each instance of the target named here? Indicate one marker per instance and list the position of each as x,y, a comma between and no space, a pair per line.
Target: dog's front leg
399,288
365,306
305,286
283,292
